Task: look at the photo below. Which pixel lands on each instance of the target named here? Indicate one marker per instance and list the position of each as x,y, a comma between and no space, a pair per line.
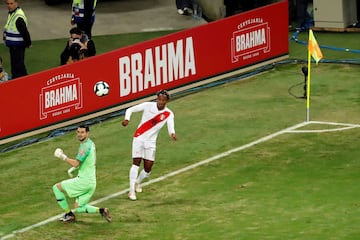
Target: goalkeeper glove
60,154
70,171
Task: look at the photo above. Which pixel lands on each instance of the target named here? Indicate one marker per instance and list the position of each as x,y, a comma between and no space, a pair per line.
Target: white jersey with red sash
152,120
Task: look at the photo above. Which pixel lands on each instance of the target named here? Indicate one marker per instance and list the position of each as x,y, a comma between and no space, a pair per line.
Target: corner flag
314,48
315,52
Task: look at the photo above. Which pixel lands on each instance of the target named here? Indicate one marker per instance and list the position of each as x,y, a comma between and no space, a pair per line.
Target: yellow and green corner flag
313,47
315,52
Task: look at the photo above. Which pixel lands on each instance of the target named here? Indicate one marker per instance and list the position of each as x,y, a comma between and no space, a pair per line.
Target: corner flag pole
315,52
308,87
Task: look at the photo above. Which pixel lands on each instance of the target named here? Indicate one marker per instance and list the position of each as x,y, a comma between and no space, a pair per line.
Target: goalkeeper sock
142,176
86,209
132,177
61,199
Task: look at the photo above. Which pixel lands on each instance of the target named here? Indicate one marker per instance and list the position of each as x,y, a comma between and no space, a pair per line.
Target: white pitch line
323,130
221,155
157,29
346,126
335,123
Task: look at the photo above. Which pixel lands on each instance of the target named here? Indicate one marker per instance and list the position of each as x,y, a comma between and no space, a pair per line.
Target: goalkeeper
83,186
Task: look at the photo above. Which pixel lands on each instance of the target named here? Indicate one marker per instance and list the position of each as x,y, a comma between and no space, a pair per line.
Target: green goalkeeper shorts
79,189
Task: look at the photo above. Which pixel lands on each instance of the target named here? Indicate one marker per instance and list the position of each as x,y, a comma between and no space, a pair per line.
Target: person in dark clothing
78,47
184,7
301,13
83,15
232,7
17,38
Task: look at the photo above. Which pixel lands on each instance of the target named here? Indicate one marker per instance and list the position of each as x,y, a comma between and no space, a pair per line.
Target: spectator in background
78,47
239,6
17,38
292,12
302,15
83,15
232,7
3,75
184,7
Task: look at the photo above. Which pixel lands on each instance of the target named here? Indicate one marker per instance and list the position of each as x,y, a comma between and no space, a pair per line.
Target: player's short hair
87,128
163,92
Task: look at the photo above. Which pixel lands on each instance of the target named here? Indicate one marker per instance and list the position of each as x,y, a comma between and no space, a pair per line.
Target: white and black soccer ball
101,88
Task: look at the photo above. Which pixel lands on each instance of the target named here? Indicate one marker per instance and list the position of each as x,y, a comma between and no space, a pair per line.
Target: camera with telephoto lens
75,49
76,40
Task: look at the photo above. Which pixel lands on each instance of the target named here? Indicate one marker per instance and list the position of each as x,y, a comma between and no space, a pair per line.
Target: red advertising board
67,92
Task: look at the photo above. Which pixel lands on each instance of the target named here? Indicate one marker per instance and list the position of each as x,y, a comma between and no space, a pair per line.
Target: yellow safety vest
78,10
12,35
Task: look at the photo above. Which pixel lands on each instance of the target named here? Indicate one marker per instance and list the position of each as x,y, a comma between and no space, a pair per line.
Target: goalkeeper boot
68,217
106,214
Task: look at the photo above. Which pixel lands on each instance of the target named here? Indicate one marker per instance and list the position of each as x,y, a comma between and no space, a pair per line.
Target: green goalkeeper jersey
87,157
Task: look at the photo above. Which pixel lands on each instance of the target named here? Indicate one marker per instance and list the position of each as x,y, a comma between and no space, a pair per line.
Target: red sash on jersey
151,123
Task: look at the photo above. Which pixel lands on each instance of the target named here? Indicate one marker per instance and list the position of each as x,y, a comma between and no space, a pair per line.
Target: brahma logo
252,38
59,98
156,66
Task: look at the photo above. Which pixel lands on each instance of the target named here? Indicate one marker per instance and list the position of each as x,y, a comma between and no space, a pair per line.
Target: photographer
78,47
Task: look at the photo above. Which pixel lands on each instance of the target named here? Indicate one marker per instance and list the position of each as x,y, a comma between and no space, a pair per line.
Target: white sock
142,176
132,177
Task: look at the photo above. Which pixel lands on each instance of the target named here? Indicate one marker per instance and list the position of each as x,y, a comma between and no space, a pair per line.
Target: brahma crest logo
62,93
250,40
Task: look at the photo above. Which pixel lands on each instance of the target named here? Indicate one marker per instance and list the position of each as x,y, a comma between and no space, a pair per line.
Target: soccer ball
101,89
